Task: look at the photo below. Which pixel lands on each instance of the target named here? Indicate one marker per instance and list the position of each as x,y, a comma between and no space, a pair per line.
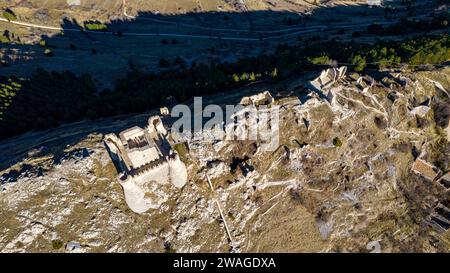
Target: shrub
9,15
57,244
95,26
337,142
359,62
8,90
168,248
274,73
182,151
322,60
4,39
48,52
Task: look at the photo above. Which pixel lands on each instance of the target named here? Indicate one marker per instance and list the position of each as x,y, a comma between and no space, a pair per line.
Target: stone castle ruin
328,77
262,98
145,161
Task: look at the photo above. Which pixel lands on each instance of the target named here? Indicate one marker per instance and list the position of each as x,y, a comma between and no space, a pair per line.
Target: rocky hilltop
361,166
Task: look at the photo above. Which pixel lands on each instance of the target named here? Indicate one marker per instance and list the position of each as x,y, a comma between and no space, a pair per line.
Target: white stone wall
178,173
159,174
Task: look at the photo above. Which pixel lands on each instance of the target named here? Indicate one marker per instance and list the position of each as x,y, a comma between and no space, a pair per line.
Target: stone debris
164,111
420,111
374,247
365,82
73,2
73,246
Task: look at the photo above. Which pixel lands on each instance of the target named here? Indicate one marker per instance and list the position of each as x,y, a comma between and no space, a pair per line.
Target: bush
4,39
95,26
337,142
359,63
182,151
57,244
48,52
9,15
8,90
322,60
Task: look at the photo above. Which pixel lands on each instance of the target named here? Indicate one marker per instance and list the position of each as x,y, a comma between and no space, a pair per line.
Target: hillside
108,9
224,126
106,39
340,180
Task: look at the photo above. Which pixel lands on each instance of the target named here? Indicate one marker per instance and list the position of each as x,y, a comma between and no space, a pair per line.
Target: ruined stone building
263,98
439,218
144,157
424,169
328,77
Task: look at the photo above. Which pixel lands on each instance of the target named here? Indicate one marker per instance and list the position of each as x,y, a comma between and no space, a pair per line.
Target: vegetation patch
337,142
95,26
57,244
9,15
8,90
182,151
48,52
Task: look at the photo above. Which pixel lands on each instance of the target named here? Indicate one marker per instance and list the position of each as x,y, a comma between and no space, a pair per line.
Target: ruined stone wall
159,174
